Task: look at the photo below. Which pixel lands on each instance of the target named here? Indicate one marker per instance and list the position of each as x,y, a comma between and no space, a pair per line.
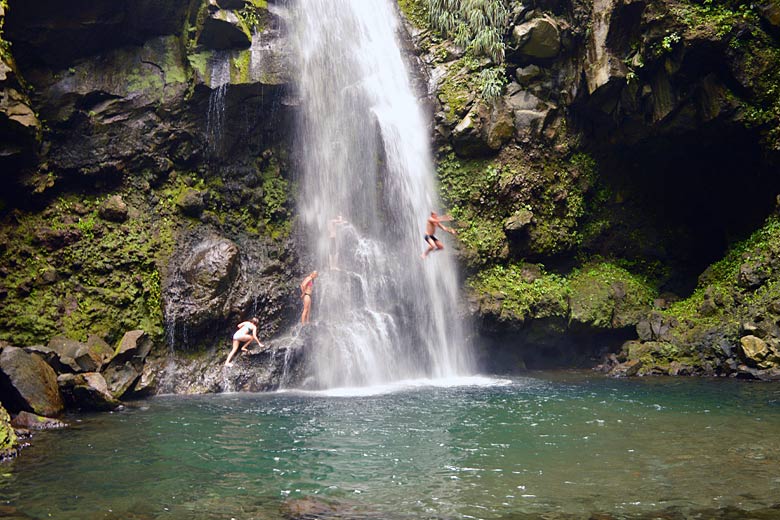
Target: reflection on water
568,444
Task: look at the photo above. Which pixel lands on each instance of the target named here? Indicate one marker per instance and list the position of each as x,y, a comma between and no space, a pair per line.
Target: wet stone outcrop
28,383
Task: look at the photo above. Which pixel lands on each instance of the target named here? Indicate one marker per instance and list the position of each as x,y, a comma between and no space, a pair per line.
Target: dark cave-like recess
683,200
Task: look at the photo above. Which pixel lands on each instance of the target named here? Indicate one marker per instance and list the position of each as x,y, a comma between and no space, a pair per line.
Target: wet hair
255,320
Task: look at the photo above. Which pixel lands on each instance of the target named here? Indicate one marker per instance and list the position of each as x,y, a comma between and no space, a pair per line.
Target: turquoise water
565,444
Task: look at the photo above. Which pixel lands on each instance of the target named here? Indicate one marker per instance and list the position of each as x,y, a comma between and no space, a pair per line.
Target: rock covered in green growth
520,292
9,445
604,295
598,295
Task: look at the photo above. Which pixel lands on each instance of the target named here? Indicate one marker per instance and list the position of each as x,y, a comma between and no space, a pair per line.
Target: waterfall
380,312
215,118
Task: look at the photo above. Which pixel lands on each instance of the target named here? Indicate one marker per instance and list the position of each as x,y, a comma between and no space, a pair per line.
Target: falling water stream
381,313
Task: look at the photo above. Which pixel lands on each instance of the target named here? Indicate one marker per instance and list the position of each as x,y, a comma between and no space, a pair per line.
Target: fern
476,25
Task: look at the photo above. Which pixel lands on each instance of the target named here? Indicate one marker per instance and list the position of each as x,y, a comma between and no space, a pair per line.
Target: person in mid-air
246,333
434,221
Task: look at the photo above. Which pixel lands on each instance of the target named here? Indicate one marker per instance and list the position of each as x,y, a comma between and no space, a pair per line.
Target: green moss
8,440
104,281
521,297
240,64
415,12
605,295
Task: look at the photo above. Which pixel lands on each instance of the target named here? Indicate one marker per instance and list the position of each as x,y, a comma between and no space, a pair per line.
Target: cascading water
215,118
380,312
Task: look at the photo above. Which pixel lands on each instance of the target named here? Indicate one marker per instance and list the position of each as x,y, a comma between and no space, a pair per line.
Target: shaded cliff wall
614,178
146,171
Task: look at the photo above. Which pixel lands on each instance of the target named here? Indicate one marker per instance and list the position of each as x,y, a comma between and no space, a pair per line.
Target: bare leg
232,352
306,309
431,247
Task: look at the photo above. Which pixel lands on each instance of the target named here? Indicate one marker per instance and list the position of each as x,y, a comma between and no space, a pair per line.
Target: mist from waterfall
380,312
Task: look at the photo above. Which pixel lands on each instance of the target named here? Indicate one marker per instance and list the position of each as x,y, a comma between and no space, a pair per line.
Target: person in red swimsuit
307,285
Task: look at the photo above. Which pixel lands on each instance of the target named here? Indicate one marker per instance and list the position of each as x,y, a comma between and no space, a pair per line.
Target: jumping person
333,246
307,286
247,332
434,221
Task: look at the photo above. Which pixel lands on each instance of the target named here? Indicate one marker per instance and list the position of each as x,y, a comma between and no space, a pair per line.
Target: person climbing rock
307,285
434,221
247,333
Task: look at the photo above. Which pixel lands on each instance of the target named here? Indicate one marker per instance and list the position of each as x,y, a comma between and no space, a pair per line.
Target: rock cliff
610,165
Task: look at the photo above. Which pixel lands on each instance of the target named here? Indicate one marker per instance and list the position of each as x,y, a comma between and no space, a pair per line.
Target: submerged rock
30,421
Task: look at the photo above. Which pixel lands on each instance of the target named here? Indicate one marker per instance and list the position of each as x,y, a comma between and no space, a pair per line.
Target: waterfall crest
380,312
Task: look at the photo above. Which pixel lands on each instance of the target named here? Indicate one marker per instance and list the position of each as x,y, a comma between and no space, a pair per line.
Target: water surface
557,443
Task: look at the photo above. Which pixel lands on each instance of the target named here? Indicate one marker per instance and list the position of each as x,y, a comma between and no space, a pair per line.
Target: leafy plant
475,25
491,83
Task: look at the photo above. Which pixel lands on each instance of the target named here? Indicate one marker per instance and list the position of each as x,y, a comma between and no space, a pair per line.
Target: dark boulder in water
28,383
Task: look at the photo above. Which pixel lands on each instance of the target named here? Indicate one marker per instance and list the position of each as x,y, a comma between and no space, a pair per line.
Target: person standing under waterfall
247,333
307,285
434,221
333,245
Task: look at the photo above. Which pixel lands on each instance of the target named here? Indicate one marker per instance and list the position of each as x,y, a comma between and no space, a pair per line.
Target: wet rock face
57,33
214,283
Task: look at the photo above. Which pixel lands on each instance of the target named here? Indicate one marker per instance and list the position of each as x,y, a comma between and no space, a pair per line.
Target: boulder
604,66
125,369
191,202
484,130
198,291
30,421
752,275
113,209
28,383
87,391
223,29
78,356
756,352
628,369
524,75
537,38
517,222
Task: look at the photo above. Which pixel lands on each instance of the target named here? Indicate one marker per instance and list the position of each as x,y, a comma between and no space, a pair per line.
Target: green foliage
415,11
5,46
595,299
720,281
719,16
491,83
475,25
254,14
522,297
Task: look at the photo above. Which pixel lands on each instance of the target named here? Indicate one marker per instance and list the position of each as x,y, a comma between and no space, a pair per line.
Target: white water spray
381,313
